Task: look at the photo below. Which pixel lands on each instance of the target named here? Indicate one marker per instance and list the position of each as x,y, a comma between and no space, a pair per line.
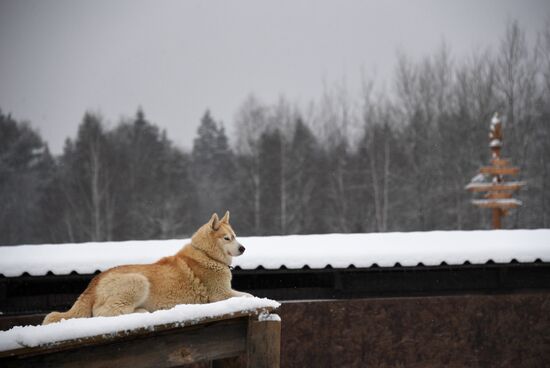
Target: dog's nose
241,249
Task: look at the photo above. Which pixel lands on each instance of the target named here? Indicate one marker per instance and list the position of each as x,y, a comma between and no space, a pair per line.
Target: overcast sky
178,58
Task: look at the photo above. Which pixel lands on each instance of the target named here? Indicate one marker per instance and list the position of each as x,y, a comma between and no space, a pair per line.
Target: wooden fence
249,337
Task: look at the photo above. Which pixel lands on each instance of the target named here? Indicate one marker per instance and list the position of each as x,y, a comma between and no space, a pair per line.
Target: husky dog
198,273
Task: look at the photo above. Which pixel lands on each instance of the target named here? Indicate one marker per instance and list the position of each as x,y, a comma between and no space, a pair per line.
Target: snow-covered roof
296,251
79,328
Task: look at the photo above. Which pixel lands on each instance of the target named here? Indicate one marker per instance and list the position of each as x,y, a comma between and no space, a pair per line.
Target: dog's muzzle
241,249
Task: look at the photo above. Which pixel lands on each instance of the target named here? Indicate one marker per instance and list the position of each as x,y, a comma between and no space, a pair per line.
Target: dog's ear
225,218
214,222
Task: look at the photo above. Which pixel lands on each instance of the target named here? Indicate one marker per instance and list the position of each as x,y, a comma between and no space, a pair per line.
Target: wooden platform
252,334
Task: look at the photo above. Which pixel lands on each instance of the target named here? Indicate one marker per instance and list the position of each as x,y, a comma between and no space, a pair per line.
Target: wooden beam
498,195
497,203
233,362
498,170
7,321
264,343
485,187
501,162
169,348
122,335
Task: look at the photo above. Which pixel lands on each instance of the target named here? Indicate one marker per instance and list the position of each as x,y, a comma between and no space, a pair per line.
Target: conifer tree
213,169
25,164
304,181
270,182
86,182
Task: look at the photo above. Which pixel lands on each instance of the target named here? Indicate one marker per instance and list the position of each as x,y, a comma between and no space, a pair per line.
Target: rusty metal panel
509,330
501,330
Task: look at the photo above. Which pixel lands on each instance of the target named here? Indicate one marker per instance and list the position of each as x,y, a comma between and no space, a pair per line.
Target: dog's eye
227,238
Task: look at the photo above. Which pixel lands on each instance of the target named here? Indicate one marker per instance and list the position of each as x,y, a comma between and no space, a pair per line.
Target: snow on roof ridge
78,328
295,251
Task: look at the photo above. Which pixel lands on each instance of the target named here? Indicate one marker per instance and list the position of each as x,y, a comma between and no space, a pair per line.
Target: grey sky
177,58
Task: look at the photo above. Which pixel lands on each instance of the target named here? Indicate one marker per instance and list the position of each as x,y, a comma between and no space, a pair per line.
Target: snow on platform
296,251
79,328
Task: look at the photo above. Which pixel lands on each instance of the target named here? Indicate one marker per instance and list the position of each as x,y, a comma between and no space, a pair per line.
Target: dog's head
220,241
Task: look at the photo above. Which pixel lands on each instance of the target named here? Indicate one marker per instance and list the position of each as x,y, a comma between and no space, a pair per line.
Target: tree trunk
96,196
385,203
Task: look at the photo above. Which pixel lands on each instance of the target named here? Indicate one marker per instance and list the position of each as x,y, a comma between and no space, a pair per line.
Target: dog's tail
81,308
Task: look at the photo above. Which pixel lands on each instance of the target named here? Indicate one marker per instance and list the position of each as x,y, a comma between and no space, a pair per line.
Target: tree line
394,159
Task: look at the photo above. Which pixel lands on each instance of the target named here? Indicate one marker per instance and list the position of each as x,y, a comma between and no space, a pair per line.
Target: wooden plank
170,348
233,362
497,218
497,170
489,329
484,187
501,162
498,195
496,203
142,332
264,343
7,322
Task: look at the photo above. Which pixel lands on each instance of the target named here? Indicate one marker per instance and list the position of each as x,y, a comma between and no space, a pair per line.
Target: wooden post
264,342
495,143
497,214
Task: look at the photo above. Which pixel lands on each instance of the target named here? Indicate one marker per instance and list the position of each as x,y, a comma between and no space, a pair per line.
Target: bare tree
516,80
251,121
87,180
377,134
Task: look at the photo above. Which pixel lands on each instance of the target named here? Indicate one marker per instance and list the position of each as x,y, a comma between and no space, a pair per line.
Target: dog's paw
242,294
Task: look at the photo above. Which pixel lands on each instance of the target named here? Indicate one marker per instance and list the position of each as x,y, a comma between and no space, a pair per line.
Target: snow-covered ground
295,251
78,328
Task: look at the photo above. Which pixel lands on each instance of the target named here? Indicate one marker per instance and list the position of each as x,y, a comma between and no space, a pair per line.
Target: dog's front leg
216,297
